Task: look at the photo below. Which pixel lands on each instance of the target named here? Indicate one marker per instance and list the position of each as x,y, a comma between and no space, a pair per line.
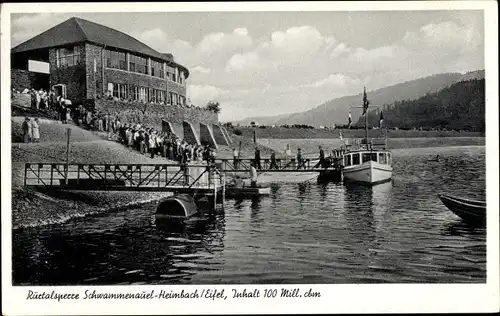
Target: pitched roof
76,30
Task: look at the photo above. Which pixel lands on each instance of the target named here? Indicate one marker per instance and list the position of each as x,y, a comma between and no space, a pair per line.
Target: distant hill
337,111
261,120
460,107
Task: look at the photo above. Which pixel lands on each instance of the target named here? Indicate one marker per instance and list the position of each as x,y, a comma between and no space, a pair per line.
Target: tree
213,106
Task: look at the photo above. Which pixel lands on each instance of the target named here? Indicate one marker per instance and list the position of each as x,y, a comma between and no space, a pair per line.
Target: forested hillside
460,107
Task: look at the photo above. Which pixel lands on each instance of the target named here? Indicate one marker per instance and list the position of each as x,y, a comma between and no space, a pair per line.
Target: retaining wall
207,137
153,114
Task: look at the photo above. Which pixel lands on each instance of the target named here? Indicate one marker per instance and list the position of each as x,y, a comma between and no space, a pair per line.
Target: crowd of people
144,139
153,100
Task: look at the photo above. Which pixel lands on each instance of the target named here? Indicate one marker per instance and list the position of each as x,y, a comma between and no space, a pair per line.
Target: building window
179,74
115,59
138,64
171,73
67,57
133,92
160,96
143,94
157,69
174,98
120,90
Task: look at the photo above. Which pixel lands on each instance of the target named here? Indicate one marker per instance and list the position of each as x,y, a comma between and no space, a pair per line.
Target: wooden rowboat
471,211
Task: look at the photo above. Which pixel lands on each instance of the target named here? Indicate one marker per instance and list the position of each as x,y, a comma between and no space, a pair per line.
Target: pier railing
124,177
279,165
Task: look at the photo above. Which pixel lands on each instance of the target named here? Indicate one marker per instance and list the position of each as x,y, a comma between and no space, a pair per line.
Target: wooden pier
193,179
190,179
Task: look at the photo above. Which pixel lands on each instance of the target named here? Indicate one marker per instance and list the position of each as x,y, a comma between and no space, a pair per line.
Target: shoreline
32,208
52,210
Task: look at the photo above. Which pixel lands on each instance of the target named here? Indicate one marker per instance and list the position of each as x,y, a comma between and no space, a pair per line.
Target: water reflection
462,228
255,208
302,233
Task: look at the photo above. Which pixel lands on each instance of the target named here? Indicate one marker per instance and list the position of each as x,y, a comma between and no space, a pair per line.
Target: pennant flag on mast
365,101
350,121
381,119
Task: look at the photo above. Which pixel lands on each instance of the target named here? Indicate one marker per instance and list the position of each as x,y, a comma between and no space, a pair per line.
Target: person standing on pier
152,145
253,176
299,159
36,131
257,158
235,158
27,133
321,161
273,164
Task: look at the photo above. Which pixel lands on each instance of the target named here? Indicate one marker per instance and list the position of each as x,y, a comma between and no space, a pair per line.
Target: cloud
26,26
227,42
336,81
152,37
200,70
298,67
242,61
201,94
445,35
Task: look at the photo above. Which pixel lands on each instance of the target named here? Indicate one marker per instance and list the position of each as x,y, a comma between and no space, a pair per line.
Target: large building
86,60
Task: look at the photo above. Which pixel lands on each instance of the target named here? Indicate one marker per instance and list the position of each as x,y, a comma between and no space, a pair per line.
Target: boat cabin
360,157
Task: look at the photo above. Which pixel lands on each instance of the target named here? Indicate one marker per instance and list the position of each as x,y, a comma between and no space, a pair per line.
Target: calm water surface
301,233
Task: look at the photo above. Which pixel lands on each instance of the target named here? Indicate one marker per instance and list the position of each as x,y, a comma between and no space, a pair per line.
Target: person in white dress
35,130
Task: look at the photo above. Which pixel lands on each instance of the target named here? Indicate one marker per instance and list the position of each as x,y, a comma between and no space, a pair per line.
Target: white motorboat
367,162
367,166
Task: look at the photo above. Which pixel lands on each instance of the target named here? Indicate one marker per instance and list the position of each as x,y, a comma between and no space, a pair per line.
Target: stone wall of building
93,66
177,88
73,77
135,79
219,136
153,114
20,79
190,134
207,137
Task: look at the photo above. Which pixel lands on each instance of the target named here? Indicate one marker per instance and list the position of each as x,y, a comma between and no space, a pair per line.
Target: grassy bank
295,133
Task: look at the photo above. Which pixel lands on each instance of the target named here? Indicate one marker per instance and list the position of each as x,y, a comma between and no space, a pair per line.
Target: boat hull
369,173
471,211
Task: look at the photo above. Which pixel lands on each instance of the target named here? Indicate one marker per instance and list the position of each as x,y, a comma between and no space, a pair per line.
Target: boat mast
365,109
366,128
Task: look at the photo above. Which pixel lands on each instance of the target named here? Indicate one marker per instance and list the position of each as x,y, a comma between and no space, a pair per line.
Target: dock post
215,195
68,133
25,173
223,189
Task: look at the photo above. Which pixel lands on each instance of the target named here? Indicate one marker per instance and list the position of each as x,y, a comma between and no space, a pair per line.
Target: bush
237,132
263,126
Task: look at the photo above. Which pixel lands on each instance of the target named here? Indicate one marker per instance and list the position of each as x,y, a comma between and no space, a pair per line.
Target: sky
269,63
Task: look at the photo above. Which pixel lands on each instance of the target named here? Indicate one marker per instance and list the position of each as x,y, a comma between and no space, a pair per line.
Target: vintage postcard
248,158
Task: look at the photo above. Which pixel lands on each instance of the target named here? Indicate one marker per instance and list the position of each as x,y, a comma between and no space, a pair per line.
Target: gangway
190,178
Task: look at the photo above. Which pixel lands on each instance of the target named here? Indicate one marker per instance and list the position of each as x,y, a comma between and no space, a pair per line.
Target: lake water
396,232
